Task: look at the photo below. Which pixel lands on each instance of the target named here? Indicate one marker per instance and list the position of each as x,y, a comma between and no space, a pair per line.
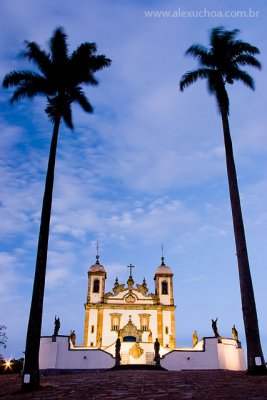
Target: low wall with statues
209,353
58,353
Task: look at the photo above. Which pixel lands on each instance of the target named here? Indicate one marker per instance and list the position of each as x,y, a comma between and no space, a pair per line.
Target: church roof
164,269
97,267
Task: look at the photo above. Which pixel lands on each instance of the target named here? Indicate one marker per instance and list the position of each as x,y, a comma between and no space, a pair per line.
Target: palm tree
220,64
60,77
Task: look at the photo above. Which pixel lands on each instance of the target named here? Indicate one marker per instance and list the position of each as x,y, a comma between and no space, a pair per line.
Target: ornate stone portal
130,332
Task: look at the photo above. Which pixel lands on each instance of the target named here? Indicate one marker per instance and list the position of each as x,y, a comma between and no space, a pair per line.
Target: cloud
10,276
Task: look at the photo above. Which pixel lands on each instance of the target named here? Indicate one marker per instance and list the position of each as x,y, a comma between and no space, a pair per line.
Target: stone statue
117,352
214,327
73,337
56,326
234,333
157,356
195,338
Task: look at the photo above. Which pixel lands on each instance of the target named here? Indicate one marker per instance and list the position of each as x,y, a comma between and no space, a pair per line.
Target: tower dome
97,267
164,269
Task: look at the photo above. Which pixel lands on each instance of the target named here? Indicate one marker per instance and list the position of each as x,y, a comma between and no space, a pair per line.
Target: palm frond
201,53
192,76
83,53
242,47
40,57
246,59
29,84
197,51
59,47
67,117
220,35
99,62
27,90
244,77
15,78
83,64
79,97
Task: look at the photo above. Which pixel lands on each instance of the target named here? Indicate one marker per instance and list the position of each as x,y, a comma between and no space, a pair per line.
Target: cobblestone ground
150,385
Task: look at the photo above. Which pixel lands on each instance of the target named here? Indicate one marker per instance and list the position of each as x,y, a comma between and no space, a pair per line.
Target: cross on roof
97,253
131,267
162,255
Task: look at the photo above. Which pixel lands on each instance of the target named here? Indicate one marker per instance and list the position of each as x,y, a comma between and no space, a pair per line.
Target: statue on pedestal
234,333
73,337
214,327
56,326
195,338
157,356
117,352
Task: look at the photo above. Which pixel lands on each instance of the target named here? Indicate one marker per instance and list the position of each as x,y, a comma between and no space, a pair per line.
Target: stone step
137,366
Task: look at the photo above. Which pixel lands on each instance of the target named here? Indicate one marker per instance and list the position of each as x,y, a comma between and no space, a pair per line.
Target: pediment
129,296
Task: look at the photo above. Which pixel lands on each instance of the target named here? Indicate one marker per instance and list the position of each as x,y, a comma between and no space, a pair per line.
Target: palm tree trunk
256,363
31,374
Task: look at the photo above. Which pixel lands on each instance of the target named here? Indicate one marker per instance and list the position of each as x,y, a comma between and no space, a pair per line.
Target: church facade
131,325
129,312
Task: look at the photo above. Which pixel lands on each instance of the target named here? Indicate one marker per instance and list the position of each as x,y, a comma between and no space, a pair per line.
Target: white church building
137,318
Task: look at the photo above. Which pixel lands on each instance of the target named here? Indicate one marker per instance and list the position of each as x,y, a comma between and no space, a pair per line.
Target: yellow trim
160,326
99,328
173,328
108,306
171,292
86,324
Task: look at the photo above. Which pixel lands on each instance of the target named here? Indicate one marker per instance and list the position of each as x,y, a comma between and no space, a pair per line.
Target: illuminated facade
129,312
137,318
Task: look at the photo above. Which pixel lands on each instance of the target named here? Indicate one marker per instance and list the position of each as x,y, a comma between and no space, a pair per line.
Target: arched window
164,287
96,286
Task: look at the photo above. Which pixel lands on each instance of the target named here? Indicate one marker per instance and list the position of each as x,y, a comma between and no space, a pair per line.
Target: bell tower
96,282
165,314
93,325
164,284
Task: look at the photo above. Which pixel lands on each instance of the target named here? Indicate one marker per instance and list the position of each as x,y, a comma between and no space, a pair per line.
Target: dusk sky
148,167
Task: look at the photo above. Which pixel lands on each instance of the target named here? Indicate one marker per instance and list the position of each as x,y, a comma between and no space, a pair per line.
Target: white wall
91,337
58,355
166,318
209,354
